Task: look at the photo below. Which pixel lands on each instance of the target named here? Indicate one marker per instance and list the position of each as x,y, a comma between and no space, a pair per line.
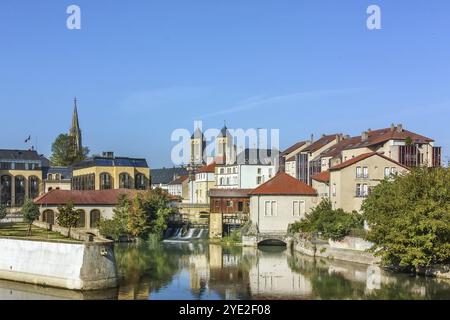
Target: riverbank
49,258
352,249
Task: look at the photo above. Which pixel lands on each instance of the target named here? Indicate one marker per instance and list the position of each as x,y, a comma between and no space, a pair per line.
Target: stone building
110,172
20,177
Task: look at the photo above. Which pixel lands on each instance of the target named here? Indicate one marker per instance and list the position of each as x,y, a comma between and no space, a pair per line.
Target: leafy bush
68,217
144,215
30,213
333,224
409,218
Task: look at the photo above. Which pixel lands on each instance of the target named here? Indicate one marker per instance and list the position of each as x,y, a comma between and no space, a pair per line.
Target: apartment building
349,183
252,168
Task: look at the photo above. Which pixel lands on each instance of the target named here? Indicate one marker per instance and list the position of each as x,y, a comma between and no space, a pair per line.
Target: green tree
117,226
68,217
2,211
333,224
63,152
156,206
137,219
409,219
30,213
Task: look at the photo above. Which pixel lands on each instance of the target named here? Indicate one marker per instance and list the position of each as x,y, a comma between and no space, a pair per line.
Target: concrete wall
75,266
284,212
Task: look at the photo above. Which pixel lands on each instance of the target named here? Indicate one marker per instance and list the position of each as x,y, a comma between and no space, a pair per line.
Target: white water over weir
180,234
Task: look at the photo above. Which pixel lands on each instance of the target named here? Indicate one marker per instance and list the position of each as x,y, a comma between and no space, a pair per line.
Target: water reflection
199,270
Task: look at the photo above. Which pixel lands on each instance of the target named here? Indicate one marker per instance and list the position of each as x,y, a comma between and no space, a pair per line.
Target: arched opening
124,181
5,190
20,191
272,243
82,219
140,182
33,187
105,181
95,218
48,216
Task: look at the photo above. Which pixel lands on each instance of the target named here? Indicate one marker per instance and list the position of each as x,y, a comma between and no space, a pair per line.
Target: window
105,181
222,170
270,208
82,219
95,218
358,172
124,181
365,172
333,189
298,208
365,190
5,166
33,187
57,176
229,203
393,171
140,182
20,190
259,170
387,172
358,190
258,180
50,177
228,181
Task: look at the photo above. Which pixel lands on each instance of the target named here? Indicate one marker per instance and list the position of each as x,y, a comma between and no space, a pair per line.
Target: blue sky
141,69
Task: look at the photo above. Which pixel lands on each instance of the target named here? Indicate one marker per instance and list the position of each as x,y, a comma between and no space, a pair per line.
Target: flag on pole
28,139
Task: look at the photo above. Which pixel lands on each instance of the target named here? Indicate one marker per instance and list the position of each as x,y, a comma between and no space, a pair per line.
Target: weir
189,235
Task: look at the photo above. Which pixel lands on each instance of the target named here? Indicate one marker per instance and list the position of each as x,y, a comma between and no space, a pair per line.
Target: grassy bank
20,230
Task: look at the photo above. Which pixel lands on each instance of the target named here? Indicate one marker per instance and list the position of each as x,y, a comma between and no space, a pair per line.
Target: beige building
179,187
204,181
350,182
280,202
289,154
20,177
91,205
109,172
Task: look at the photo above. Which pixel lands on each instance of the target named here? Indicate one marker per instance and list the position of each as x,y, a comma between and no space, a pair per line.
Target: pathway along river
199,270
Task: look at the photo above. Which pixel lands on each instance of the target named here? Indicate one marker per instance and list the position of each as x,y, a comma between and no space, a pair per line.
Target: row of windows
19,166
362,190
48,216
55,177
362,173
21,186
271,208
87,182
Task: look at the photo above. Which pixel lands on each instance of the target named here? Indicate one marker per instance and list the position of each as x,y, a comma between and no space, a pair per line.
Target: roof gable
284,184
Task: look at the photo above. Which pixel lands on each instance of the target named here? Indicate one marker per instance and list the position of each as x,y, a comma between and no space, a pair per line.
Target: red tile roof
294,147
322,176
382,135
284,184
362,157
323,141
179,180
207,169
91,197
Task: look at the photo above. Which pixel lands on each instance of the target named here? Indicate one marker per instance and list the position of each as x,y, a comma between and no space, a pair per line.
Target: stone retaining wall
76,266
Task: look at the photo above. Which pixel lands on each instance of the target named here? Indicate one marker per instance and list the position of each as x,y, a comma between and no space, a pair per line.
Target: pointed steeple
75,131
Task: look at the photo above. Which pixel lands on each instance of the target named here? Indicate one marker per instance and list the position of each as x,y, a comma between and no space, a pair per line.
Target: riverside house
279,202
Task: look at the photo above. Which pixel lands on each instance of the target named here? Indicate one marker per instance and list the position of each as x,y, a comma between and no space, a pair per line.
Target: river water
199,270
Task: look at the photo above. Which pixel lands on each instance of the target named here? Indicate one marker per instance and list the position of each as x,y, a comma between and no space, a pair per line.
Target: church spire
75,131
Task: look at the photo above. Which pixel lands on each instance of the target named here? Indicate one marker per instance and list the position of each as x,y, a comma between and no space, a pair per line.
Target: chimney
338,137
312,138
108,154
392,127
399,127
364,136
